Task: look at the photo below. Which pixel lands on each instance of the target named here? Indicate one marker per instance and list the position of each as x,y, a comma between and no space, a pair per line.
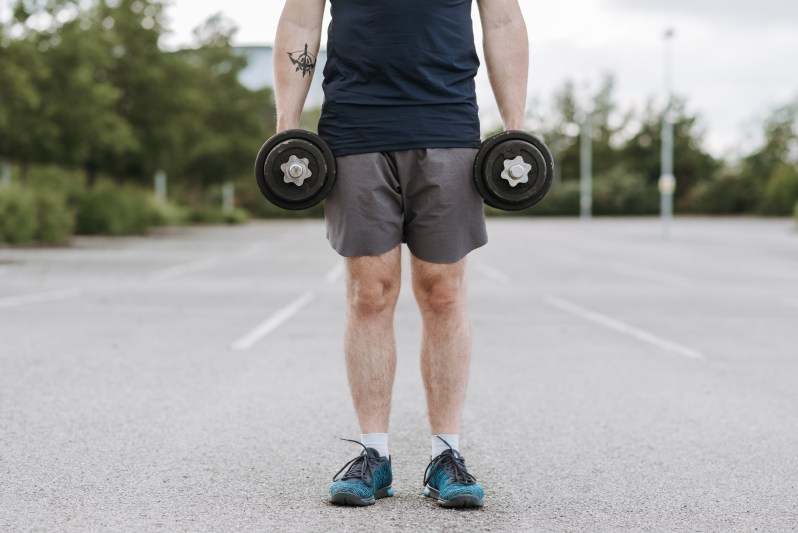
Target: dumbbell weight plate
490,163
277,151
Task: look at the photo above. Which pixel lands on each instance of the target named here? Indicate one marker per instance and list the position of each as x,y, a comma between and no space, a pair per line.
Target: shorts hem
347,253
449,259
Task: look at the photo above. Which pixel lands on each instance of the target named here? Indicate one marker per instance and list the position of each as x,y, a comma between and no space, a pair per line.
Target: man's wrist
517,124
287,124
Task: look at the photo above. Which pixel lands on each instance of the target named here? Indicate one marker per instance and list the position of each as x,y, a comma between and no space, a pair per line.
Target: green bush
166,213
623,192
54,220
795,212
781,191
214,215
727,194
17,215
110,209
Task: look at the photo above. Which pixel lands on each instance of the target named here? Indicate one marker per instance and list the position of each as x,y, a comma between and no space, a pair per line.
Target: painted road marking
273,322
491,273
183,269
622,327
652,274
335,273
39,297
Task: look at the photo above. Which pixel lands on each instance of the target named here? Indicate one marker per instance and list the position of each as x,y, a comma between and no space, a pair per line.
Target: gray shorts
426,198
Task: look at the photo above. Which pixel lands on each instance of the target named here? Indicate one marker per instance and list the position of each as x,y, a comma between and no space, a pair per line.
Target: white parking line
652,274
622,327
273,322
182,270
39,297
492,274
335,273
790,302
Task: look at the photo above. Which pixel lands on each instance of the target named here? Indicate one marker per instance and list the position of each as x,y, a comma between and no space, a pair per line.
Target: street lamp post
667,181
586,163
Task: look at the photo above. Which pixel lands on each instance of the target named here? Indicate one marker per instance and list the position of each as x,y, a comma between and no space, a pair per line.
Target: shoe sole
458,502
353,500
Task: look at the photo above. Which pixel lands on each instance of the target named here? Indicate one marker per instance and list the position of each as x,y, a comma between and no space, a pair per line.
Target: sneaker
368,478
448,480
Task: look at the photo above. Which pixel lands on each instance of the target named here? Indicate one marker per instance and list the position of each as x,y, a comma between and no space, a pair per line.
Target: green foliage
620,191
795,212
166,213
18,215
727,193
781,190
34,215
54,220
780,143
212,215
110,209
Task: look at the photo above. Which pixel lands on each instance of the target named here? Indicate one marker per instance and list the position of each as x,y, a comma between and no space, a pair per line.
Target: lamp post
667,182
586,160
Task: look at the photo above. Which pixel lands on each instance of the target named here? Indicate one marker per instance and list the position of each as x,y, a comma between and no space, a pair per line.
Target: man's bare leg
372,289
446,340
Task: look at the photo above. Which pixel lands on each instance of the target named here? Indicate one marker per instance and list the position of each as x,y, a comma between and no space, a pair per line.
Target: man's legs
446,340
372,288
445,357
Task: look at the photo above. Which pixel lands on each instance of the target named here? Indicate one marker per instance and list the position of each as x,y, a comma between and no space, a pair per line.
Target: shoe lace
361,467
453,464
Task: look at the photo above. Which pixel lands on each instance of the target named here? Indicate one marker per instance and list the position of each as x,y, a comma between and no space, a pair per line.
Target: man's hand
507,56
296,46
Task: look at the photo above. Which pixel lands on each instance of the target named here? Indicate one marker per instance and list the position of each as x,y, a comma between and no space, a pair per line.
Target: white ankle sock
378,441
438,446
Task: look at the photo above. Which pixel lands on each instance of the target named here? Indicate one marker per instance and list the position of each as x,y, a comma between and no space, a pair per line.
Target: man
400,115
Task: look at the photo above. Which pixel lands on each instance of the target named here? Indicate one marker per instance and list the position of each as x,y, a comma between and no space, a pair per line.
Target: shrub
17,215
726,194
623,192
214,215
795,212
781,191
166,213
54,221
110,209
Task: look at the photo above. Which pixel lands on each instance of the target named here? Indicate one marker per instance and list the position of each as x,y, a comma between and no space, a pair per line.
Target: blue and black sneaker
448,480
367,479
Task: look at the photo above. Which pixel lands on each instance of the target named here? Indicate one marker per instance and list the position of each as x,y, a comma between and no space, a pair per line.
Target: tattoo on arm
304,60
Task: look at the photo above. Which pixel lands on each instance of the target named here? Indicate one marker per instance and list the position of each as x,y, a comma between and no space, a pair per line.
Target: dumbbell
513,170
295,169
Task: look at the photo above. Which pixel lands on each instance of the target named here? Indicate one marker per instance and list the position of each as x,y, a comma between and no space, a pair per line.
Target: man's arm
296,46
507,56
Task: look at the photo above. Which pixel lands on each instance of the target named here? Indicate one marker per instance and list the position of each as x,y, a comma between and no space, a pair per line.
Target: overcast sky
734,59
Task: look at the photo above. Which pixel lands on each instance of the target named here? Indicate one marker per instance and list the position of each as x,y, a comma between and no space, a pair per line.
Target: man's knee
440,294
372,295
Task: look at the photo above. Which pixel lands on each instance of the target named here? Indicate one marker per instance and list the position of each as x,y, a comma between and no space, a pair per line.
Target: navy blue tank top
399,76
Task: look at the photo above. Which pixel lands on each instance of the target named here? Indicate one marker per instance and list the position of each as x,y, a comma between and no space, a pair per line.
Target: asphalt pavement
193,380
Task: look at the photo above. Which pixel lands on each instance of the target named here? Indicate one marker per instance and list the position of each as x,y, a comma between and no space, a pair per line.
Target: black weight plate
494,166
489,164
288,195
274,176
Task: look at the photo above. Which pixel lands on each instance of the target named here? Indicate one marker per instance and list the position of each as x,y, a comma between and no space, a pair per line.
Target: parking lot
194,380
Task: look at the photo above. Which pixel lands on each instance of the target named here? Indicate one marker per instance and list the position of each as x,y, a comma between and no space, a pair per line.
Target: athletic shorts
425,198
